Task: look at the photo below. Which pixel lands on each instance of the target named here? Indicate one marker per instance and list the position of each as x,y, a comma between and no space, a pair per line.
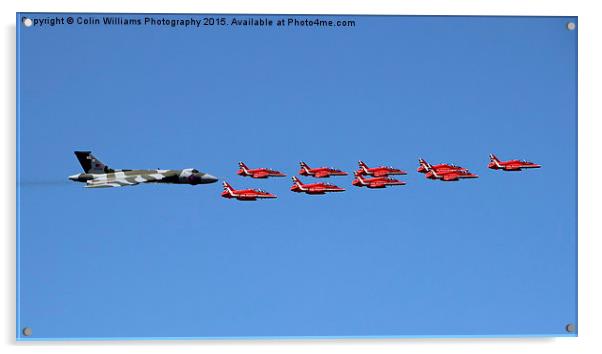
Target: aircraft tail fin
362,164
227,186
427,166
304,166
91,164
493,158
243,168
296,180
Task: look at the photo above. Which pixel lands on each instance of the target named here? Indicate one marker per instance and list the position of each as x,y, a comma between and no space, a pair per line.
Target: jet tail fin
493,158
227,186
91,164
242,165
360,178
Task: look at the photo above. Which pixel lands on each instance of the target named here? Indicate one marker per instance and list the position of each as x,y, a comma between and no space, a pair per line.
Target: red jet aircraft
319,172
245,194
425,166
376,182
380,171
449,174
258,172
314,188
510,165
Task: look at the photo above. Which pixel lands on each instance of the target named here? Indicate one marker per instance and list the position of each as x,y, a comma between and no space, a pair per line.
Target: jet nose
207,178
74,177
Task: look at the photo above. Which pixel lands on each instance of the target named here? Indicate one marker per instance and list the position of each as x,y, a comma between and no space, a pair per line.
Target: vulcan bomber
98,175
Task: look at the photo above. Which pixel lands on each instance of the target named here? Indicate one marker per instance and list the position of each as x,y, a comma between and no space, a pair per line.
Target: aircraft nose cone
207,178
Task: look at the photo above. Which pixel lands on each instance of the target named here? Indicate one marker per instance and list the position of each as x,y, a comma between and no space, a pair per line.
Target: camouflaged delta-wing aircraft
98,175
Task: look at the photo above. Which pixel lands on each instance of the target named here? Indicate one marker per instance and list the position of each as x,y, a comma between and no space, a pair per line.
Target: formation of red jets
370,177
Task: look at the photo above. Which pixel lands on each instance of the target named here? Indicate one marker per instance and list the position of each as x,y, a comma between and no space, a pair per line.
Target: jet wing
262,174
513,167
109,184
120,179
322,174
381,173
246,197
316,190
450,177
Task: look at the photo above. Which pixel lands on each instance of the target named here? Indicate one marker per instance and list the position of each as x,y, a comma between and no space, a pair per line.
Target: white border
590,115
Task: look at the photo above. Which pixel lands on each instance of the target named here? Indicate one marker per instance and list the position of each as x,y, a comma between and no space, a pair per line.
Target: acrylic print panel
135,236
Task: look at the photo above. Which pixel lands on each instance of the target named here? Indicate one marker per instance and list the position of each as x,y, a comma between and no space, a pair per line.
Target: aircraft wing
513,167
119,179
246,197
322,174
450,177
108,183
381,173
261,174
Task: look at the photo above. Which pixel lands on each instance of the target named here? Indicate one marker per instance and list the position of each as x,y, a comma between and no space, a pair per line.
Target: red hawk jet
258,172
245,194
510,165
319,172
425,166
314,188
376,182
380,171
449,174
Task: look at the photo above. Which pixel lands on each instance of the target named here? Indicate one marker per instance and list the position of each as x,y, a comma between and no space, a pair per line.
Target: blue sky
490,256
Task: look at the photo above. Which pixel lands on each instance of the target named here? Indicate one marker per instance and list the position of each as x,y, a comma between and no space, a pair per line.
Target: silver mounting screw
571,26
